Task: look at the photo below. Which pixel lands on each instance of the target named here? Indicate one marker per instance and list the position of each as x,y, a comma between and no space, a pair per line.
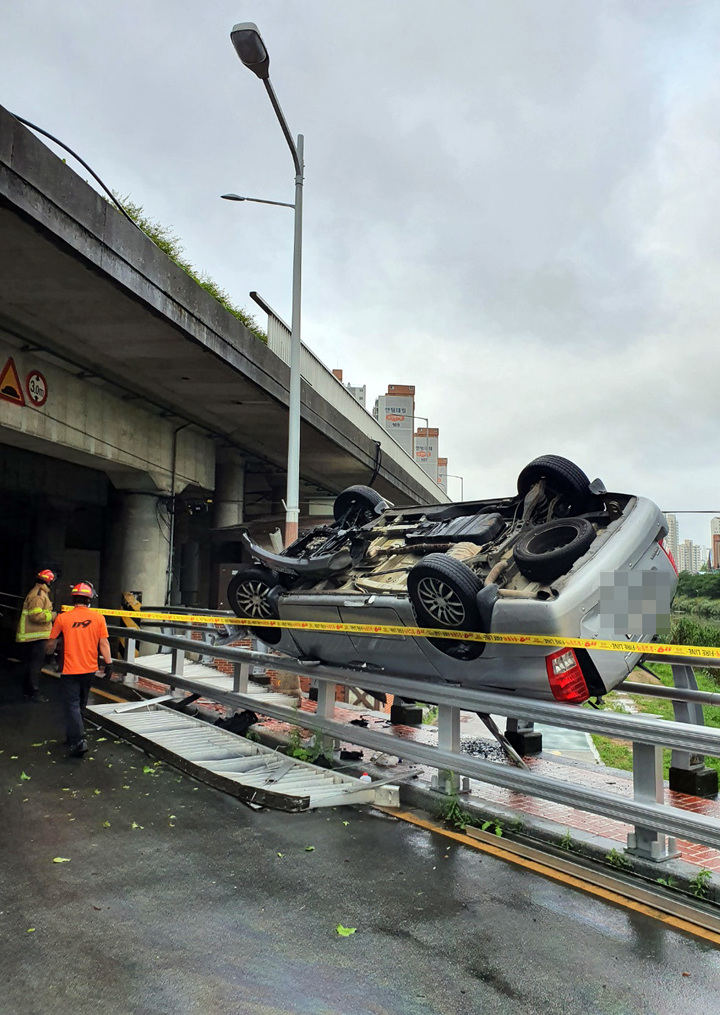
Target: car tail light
567,682
669,556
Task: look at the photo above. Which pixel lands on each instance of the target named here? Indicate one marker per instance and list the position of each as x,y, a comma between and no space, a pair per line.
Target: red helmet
84,589
47,576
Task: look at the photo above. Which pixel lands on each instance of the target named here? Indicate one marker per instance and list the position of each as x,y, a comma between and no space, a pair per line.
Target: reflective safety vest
36,617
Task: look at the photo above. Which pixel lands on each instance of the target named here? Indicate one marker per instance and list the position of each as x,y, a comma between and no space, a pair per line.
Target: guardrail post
241,676
177,661
177,664
130,649
205,640
326,709
448,723
649,787
688,772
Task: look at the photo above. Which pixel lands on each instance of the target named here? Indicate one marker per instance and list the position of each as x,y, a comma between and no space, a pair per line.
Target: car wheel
358,505
443,593
562,477
549,550
249,597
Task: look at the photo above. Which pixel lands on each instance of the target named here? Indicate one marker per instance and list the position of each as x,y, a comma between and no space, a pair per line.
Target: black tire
549,550
357,505
562,477
443,593
249,597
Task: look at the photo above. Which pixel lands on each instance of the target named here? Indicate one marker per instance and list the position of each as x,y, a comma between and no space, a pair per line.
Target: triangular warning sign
10,387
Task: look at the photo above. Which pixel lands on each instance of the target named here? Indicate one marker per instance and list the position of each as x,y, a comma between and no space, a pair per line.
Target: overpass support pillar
229,495
50,532
143,548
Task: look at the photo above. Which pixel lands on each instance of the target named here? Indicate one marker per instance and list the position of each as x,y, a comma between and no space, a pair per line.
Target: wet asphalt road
193,910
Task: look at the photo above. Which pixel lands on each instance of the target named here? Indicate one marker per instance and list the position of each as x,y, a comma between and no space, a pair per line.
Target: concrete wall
85,448
82,422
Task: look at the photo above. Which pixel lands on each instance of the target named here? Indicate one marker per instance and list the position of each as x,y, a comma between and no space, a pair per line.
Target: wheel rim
252,599
548,542
441,602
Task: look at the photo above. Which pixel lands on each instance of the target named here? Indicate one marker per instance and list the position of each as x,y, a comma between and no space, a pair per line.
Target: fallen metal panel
230,763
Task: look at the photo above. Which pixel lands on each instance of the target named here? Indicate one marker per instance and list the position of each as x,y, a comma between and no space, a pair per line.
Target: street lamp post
257,200
450,476
250,47
427,434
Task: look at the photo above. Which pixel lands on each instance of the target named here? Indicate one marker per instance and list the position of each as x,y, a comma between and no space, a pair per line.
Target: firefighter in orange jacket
34,631
85,636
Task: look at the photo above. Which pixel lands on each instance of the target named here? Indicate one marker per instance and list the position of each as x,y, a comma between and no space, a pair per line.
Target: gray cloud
511,205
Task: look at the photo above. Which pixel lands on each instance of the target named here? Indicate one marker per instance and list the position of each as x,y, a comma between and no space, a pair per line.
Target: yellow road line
95,690
550,872
106,694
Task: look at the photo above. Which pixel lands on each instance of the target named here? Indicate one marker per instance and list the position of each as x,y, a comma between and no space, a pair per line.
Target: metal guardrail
654,822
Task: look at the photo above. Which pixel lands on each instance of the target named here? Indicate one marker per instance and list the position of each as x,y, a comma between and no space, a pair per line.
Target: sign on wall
34,393
10,387
36,387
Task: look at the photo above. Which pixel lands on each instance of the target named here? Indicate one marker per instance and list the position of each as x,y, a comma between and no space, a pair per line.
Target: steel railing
654,823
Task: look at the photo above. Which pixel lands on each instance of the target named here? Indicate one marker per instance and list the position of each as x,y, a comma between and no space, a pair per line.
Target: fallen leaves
61,859
309,849
24,777
345,931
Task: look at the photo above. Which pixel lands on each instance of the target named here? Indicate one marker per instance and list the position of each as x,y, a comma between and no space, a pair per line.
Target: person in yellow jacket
34,631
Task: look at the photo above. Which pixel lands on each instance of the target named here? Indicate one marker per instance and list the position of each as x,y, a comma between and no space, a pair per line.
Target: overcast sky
512,204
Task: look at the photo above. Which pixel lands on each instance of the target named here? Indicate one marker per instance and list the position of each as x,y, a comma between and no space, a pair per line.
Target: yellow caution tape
399,631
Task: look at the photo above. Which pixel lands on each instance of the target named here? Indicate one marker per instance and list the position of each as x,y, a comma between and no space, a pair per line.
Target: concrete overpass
151,383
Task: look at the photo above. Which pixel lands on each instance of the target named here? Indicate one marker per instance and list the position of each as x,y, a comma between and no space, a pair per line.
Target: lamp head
250,47
232,197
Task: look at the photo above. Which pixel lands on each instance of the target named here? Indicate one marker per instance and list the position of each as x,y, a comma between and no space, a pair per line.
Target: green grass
164,238
618,754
